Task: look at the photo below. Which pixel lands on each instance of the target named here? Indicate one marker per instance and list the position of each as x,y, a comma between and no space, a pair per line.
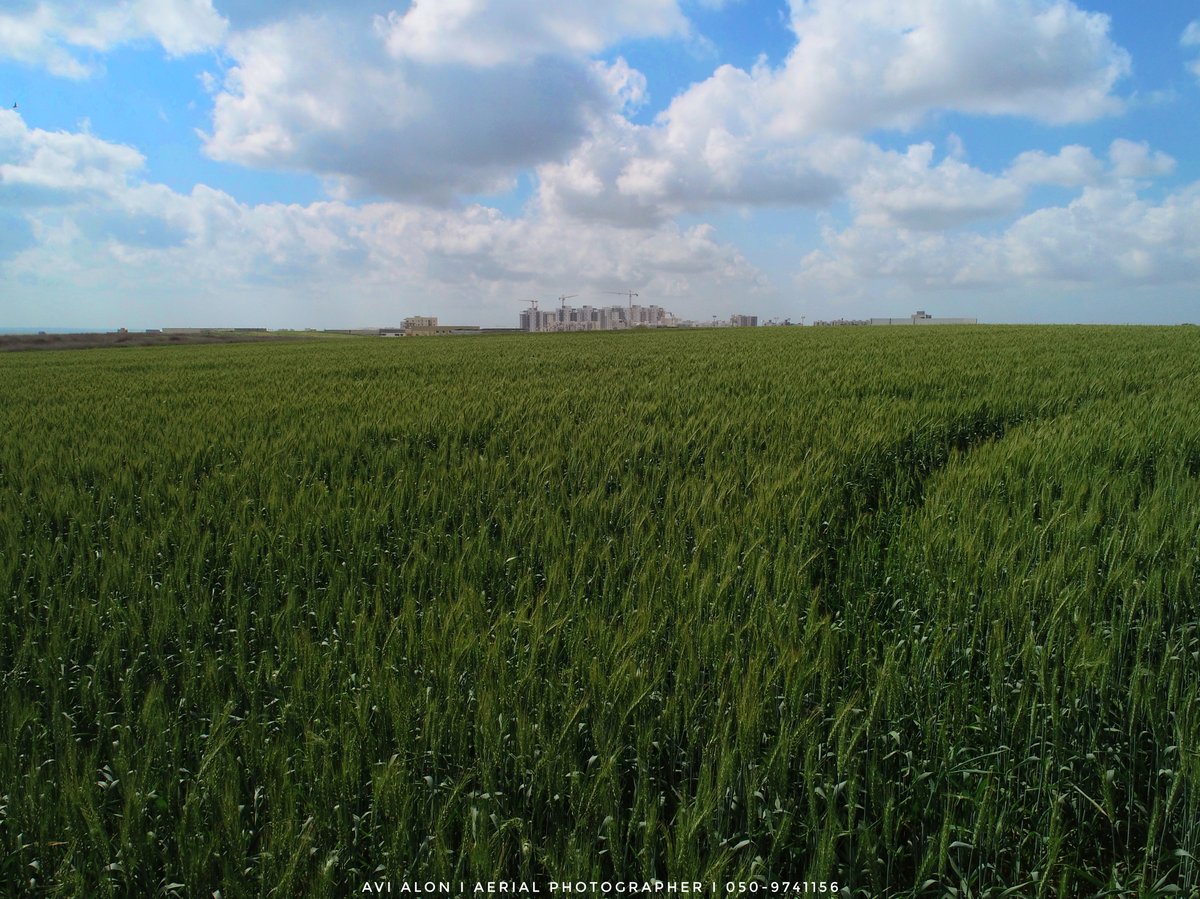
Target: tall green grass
913,610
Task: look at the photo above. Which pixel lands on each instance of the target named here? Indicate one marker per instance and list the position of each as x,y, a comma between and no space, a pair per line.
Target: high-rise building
615,317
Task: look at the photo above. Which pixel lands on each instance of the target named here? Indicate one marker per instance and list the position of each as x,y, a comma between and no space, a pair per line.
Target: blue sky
253,162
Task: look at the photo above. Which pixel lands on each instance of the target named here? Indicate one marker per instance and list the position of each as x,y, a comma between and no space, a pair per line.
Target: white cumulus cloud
96,232
322,94
876,63
50,167
55,33
1191,38
908,191
1136,160
1072,166
794,134
487,33
1109,235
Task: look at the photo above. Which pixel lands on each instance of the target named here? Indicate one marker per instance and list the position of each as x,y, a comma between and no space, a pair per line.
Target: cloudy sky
311,164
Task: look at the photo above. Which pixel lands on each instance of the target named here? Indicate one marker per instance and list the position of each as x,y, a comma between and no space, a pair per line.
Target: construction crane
631,294
562,301
532,310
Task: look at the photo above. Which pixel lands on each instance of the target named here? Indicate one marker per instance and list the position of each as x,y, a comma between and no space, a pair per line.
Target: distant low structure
427,326
921,317
743,321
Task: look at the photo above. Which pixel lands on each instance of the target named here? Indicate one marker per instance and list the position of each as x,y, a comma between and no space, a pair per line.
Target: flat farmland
912,611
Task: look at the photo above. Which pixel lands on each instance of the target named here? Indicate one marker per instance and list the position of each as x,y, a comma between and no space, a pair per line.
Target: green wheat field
899,611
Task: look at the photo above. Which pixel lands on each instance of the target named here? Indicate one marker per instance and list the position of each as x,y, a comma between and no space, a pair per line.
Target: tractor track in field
880,489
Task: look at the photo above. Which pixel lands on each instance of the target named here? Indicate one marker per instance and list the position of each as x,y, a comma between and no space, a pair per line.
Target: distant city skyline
615,317
226,163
